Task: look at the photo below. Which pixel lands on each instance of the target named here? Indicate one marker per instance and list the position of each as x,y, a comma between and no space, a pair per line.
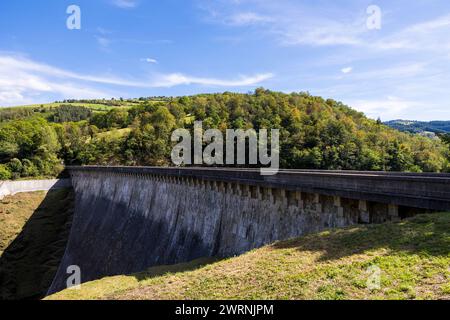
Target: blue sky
133,48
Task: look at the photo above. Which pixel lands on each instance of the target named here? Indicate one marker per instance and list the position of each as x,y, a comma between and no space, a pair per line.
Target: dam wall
129,219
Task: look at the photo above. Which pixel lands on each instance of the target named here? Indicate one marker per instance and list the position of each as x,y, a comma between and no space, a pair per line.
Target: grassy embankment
33,234
413,256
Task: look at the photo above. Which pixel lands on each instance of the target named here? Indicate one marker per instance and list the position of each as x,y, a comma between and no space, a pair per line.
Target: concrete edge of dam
9,188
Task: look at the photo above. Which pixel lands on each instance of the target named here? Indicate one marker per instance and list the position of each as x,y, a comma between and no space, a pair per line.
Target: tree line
314,134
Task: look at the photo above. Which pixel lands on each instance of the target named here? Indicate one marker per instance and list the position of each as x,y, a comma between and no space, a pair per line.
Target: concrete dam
128,219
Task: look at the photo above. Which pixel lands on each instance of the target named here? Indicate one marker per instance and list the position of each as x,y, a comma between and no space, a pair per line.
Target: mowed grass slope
15,211
413,257
34,229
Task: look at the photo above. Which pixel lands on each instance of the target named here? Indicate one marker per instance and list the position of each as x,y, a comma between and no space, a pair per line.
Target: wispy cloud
431,35
346,70
247,18
30,83
149,60
126,4
10,63
325,32
106,38
168,80
390,107
297,24
399,72
103,42
290,23
22,80
176,79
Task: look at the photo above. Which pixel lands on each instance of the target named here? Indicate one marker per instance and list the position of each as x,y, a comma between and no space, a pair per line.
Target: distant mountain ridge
420,126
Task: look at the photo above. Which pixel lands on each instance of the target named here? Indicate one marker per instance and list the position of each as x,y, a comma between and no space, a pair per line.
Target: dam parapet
9,188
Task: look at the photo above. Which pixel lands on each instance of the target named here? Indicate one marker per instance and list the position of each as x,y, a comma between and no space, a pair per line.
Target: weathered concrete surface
416,190
8,188
126,224
128,219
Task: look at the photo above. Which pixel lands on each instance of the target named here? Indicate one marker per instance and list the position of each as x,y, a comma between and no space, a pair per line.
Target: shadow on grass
180,267
427,235
29,263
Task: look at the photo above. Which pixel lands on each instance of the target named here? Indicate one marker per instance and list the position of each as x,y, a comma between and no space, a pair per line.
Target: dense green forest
315,133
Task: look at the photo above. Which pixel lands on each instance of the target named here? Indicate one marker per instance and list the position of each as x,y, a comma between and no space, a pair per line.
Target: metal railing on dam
416,190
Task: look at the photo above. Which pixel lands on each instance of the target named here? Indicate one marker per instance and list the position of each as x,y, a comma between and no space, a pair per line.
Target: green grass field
92,106
413,257
114,134
95,107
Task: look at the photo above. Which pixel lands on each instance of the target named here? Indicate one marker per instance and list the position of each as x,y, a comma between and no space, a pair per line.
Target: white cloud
176,79
23,80
9,64
103,42
390,107
171,79
346,70
24,86
149,60
398,72
429,35
126,4
12,97
246,18
291,23
403,69
323,33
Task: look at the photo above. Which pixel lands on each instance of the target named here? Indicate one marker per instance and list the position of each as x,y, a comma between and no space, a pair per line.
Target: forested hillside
315,133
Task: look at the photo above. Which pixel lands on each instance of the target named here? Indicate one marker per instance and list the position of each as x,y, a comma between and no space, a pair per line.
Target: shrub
29,169
5,174
15,166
